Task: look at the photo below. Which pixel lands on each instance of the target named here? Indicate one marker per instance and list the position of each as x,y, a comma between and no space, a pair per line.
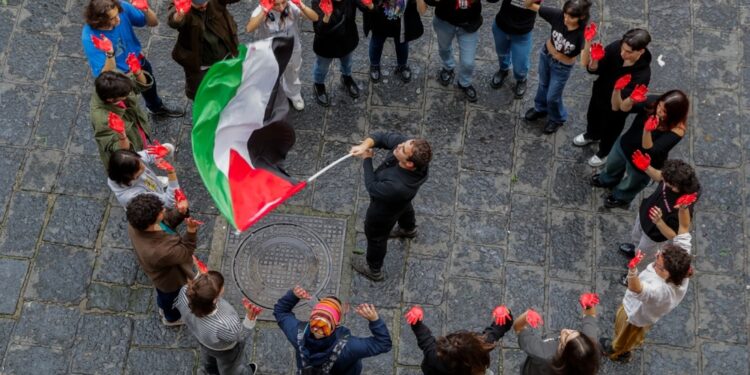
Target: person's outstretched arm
285,318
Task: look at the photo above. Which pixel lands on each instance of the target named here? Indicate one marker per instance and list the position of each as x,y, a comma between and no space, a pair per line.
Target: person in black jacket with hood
391,186
628,55
336,37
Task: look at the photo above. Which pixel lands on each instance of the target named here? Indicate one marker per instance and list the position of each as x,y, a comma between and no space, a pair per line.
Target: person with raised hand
322,345
206,34
620,67
281,18
659,125
130,174
651,295
573,352
459,352
109,41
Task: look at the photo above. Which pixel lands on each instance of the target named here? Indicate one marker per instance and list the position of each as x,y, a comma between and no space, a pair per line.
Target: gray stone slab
717,129
632,367
116,230
60,274
75,221
274,352
481,262
150,331
82,137
303,157
532,167
569,186
70,42
82,175
6,328
171,81
424,282
409,353
108,297
489,142
117,266
156,360
25,219
13,271
70,74
719,238
336,190
665,17
102,344
10,161
523,288
488,98
434,238
719,358
670,361
481,228
392,92
444,119
40,170
718,14
43,16
33,328
678,327
482,191
528,224
26,63
19,106
437,195
571,244
347,117
677,72
715,58
385,293
611,230
313,116
721,190
564,309
7,21
719,316
394,119
512,361
29,360
469,304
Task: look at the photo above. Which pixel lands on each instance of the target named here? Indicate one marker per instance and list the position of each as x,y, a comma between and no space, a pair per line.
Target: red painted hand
636,259
533,318
266,5
686,200
590,32
641,160
298,3
622,82
165,166
193,222
597,51
179,195
639,94
103,44
367,3
588,300
202,267
133,63
116,123
326,6
182,6
414,315
140,4
158,150
501,315
301,293
651,123
252,310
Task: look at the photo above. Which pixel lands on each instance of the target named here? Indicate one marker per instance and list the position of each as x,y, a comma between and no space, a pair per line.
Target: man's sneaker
580,140
519,89
605,345
624,280
175,323
253,368
404,72
298,103
498,79
167,111
612,202
627,249
469,93
351,87
552,126
320,94
399,232
360,265
445,77
595,161
375,73
596,182
533,115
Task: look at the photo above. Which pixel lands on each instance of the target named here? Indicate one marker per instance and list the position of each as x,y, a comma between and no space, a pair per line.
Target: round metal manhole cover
275,258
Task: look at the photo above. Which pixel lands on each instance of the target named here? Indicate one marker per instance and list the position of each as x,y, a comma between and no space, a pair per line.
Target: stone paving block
664,18
116,230
42,16
140,300
717,14
313,116
303,157
678,327
532,166
40,170
347,117
385,293
274,352
150,331
25,64
156,360
670,361
82,137
528,223
481,262
717,129
108,297
489,142
70,42
168,129
102,344
6,327
482,191
70,74
394,119
569,186
571,243
513,359
10,161
627,11
563,140
444,119
392,92
171,81
382,363
408,351
719,238
482,228
13,271
611,230
610,293
19,106
60,274
720,358
336,190
437,195
469,303
117,266
82,175
501,99
75,221
7,21
721,190
434,237
408,371
719,316
524,288
25,220
632,367
22,359
33,328
564,310
677,72
715,58
424,281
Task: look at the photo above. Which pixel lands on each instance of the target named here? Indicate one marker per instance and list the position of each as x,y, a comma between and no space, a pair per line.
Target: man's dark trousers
379,222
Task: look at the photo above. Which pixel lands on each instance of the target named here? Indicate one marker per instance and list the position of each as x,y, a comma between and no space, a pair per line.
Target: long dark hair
96,15
676,105
202,291
579,9
123,165
580,356
464,352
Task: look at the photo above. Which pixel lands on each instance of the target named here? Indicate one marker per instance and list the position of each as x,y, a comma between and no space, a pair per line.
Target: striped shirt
219,330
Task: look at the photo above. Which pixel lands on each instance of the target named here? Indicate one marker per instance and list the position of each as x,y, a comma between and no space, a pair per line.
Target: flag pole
329,166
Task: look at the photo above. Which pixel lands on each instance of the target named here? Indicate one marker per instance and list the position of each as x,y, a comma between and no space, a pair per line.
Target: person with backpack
321,345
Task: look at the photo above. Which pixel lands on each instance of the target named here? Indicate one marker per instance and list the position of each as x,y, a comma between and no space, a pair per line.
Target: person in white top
651,295
130,175
278,18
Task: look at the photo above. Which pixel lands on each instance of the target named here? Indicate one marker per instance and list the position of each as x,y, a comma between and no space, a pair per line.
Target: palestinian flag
240,134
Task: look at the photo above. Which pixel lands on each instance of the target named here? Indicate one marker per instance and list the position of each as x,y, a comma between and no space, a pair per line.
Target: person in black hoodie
391,186
462,352
628,55
512,33
459,19
397,19
336,37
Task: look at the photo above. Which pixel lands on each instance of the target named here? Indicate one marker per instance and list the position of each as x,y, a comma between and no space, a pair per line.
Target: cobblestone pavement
507,215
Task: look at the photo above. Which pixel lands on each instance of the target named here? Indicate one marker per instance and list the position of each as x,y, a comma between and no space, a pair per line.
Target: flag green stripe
224,78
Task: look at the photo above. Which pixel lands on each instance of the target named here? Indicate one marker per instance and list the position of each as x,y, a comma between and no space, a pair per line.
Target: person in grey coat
130,175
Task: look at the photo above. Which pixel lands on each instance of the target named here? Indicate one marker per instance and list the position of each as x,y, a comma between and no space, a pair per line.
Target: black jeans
153,101
165,301
603,124
378,226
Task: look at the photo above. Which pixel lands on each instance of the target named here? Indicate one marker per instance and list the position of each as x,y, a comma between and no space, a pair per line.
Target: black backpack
325,368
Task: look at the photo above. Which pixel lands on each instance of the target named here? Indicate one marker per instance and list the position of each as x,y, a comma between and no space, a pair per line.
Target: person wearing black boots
512,33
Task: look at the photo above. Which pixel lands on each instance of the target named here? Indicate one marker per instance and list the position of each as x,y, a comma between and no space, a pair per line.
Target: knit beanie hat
326,315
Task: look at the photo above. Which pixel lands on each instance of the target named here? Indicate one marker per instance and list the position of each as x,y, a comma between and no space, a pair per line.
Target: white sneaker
170,147
581,141
298,103
176,323
596,162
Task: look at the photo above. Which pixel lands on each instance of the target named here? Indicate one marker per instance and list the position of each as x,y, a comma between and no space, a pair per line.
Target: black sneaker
605,345
612,202
519,89
360,265
627,249
375,73
167,111
253,368
320,95
351,87
399,232
498,79
595,182
404,72
469,92
552,126
533,115
445,77
624,280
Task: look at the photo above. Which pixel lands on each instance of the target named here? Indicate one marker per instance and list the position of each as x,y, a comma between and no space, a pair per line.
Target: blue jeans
320,68
616,168
467,48
515,48
376,50
552,78
166,301
153,101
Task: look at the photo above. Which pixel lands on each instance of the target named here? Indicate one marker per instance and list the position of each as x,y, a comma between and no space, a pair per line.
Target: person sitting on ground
130,175
322,344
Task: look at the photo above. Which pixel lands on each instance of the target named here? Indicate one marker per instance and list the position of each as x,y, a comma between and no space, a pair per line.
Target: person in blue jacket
321,345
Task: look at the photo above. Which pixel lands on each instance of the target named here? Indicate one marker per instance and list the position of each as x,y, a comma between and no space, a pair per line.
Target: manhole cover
282,251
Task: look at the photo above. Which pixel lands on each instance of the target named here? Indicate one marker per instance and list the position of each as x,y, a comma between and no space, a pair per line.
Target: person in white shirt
651,295
129,175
